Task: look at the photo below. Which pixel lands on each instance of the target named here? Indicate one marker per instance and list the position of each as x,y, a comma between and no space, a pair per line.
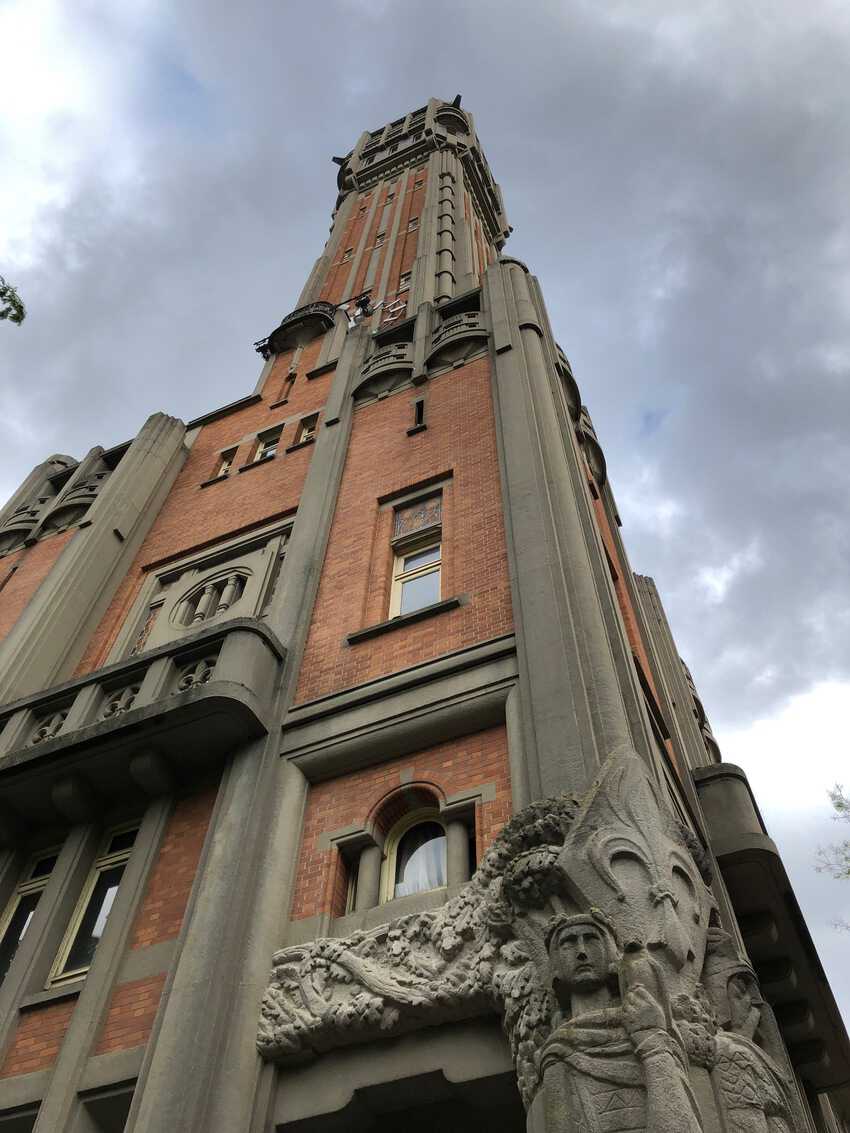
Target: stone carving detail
587,926
195,673
120,701
48,726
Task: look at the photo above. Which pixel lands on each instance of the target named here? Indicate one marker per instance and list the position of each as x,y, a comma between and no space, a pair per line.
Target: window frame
308,428
226,460
269,437
402,549
404,282
26,886
393,840
102,862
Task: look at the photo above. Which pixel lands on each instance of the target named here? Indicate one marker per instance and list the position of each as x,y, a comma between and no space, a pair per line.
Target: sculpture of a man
614,1062
756,1095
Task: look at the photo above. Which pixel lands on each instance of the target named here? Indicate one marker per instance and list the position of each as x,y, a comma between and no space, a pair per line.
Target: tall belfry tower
349,777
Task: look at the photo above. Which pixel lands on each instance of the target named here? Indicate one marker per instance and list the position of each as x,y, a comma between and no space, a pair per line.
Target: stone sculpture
587,926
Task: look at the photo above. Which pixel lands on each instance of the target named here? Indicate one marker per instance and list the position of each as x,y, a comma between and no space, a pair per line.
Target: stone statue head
582,954
731,983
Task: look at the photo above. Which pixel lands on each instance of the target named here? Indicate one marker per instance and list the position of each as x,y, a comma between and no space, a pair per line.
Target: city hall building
350,779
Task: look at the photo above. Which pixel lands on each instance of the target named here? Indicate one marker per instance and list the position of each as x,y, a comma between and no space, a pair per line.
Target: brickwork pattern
382,459
38,1037
192,518
160,915
131,1013
32,565
448,768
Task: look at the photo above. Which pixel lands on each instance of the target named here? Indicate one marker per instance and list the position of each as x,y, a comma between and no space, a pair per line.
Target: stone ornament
589,926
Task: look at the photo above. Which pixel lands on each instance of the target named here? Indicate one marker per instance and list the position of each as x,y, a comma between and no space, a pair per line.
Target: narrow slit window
347,254
413,224
379,239
307,429
404,282
226,462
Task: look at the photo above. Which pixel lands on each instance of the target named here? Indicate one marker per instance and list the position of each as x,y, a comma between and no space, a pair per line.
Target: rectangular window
418,183
417,535
226,462
268,444
347,254
404,282
379,239
413,224
19,912
92,912
416,578
307,429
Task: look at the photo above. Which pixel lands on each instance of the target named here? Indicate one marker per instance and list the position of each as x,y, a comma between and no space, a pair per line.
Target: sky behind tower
677,176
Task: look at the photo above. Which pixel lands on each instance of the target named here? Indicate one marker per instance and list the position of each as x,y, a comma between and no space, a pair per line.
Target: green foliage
835,858
11,304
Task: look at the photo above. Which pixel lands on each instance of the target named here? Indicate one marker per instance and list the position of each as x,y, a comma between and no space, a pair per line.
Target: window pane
420,558
94,919
122,841
14,934
420,861
419,592
44,866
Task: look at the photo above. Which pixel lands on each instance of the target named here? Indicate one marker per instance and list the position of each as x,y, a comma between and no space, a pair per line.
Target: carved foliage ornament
586,926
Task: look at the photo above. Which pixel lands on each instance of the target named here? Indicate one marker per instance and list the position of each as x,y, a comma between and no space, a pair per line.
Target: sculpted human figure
614,1063
755,1094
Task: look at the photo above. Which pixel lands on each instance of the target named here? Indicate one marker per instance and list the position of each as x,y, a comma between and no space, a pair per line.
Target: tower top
407,141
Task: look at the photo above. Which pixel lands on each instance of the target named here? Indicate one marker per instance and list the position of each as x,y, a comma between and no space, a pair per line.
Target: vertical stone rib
572,712
444,276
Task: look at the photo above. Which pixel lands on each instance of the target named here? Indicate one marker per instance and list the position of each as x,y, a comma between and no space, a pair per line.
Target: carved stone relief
589,926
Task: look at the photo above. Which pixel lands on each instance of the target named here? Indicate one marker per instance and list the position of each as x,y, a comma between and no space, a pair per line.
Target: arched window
416,856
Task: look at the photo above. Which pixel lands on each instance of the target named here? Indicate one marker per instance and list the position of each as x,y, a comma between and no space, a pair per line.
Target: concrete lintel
23,1089
110,1069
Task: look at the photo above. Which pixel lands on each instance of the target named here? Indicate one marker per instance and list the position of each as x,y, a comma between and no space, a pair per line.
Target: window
379,239
92,912
211,598
404,282
347,254
267,445
226,462
416,579
416,856
307,429
418,183
19,912
413,224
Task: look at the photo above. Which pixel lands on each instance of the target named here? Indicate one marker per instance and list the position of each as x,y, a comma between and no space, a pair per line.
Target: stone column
571,713
457,853
368,878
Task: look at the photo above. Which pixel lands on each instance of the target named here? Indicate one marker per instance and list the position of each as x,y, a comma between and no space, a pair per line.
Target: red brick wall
354,589
131,1014
193,517
38,1037
33,566
160,914
449,767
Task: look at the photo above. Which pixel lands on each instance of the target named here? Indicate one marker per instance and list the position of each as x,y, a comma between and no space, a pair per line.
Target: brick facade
131,1014
458,444
38,1037
23,571
448,768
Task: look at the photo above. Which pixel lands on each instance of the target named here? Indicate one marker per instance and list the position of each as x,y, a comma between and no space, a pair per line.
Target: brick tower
349,778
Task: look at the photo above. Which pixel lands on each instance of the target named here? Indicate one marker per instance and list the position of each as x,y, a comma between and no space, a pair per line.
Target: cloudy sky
677,176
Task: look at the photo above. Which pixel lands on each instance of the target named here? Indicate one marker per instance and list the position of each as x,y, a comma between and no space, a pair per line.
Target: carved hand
642,1014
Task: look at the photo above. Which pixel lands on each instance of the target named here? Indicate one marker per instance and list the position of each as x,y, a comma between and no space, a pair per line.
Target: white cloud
716,580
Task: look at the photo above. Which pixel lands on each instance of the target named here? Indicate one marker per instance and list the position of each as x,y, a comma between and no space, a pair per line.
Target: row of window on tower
267,444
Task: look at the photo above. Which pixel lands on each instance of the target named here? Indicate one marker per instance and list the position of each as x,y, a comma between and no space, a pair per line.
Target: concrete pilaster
572,710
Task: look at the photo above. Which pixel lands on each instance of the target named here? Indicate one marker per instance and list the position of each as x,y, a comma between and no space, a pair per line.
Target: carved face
740,991
579,958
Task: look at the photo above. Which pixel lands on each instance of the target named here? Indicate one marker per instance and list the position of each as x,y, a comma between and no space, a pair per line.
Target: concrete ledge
54,994
23,1089
404,620
454,695
109,1069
